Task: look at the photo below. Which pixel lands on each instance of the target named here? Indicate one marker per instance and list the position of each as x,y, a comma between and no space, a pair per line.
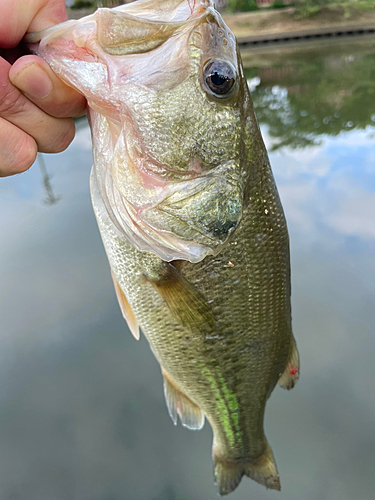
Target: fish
189,214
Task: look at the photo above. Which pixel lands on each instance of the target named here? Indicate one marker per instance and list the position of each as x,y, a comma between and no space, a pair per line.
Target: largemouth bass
189,214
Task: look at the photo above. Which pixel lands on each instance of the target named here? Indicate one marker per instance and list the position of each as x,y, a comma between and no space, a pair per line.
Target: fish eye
219,77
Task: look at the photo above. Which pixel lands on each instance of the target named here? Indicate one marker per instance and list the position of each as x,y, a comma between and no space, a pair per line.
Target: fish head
167,95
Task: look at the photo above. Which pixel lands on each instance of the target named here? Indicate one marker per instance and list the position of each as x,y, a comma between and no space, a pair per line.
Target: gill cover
147,49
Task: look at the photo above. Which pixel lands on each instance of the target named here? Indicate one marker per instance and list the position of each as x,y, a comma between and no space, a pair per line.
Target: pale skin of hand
35,105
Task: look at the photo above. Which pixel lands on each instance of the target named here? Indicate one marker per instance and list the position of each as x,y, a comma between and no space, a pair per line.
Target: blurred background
82,411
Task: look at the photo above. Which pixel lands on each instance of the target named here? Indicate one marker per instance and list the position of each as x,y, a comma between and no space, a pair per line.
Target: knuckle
61,139
12,101
19,156
66,138
26,158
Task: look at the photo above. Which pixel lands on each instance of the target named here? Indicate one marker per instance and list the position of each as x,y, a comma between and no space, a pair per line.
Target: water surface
82,412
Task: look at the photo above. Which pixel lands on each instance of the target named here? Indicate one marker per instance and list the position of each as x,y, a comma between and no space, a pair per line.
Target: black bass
189,214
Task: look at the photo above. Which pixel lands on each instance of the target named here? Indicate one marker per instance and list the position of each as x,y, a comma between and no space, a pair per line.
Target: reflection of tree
50,199
307,98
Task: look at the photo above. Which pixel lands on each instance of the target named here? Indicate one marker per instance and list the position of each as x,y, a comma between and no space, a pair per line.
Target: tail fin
228,473
264,471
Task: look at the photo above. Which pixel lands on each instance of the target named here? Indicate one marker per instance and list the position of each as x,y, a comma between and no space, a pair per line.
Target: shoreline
282,26
333,32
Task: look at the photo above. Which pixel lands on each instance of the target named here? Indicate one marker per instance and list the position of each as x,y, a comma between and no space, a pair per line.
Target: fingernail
33,81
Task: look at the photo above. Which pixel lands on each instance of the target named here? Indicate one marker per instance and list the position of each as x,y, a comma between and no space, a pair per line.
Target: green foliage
278,4
242,5
82,4
309,8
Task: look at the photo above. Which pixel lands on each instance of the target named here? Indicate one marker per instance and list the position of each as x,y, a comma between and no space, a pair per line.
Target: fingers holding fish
35,79
51,135
37,118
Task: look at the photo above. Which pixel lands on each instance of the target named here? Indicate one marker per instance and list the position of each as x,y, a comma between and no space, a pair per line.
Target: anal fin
178,403
126,310
289,378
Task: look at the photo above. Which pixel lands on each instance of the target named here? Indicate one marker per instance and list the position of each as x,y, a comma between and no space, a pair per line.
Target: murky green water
82,412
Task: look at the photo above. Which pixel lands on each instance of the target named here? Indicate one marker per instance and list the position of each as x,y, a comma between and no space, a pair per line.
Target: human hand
35,105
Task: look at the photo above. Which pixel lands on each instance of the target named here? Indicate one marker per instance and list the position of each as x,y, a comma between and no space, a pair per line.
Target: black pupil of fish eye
219,77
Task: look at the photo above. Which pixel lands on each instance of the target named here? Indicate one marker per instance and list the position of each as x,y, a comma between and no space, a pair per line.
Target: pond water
82,412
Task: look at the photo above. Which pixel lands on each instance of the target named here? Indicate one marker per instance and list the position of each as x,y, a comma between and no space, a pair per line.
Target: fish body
189,214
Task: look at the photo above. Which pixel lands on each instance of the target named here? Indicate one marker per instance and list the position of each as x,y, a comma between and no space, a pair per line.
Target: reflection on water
50,198
82,412
306,94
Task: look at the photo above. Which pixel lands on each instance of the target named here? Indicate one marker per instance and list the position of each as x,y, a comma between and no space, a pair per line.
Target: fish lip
198,9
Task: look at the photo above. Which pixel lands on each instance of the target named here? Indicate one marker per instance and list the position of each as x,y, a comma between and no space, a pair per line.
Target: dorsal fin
178,403
126,310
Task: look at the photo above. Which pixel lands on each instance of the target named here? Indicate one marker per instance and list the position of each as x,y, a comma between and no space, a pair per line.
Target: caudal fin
263,470
228,475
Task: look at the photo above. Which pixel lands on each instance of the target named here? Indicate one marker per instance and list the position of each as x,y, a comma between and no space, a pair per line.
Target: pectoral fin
291,373
178,403
184,301
126,310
